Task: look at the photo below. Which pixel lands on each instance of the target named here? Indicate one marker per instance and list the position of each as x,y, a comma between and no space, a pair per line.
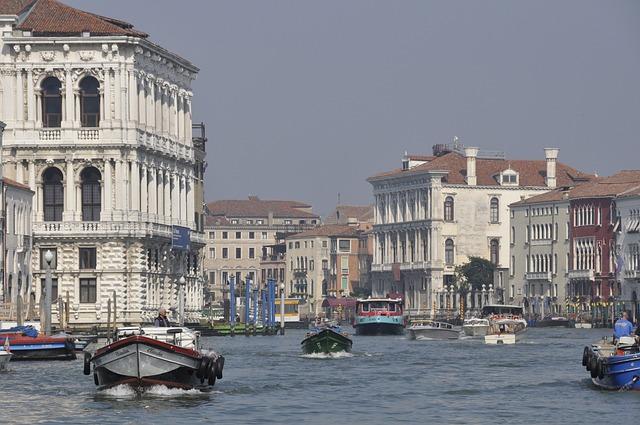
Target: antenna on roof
338,198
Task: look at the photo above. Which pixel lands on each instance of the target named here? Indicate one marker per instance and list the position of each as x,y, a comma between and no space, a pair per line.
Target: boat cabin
379,307
501,310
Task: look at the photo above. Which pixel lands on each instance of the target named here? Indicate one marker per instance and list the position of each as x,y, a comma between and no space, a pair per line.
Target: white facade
628,245
428,220
109,186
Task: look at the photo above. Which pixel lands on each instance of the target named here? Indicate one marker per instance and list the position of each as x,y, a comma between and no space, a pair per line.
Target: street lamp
181,284
282,309
48,258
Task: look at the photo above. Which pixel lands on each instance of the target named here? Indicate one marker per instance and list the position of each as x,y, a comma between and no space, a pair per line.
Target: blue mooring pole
247,305
232,304
272,305
263,309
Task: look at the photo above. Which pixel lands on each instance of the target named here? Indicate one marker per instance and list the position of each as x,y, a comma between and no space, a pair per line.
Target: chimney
551,155
471,154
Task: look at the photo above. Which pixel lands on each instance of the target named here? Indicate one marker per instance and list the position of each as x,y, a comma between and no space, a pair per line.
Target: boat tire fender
600,368
219,366
593,367
95,378
87,364
203,370
211,373
585,356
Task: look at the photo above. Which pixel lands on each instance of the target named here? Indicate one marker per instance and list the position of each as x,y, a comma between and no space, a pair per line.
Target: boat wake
324,356
129,392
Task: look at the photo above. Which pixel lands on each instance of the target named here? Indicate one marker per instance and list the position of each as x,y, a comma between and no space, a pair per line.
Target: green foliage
473,274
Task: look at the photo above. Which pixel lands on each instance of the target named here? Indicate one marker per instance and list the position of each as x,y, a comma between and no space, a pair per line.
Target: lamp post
282,309
48,258
181,284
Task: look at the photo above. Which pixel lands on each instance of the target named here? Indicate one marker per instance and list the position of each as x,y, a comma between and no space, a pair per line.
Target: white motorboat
430,329
143,357
5,357
475,326
584,325
506,324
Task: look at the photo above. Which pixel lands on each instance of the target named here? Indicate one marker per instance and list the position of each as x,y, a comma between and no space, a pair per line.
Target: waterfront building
238,230
15,244
436,211
628,249
323,263
99,126
540,249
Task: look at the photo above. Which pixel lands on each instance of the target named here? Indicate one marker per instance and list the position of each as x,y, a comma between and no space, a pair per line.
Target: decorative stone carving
86,55
48,55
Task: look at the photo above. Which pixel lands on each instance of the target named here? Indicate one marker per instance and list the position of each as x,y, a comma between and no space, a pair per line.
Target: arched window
448,208
448,252
495,251
495,210
51,102
89,102
53,194
91,203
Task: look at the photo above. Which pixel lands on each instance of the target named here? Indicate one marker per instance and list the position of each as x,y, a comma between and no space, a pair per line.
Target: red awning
335,302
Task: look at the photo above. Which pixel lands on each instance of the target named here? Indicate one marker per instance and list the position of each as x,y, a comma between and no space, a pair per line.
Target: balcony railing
111,228
581,274
632,274
544,276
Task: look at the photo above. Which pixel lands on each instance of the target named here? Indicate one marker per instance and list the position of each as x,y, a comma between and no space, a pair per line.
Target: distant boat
475,326
26,343
506,324
379,316
430,329
5,355
553,322
142,357
613,365
326,340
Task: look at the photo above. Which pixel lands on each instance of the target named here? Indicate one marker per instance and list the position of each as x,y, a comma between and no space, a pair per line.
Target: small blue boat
614,366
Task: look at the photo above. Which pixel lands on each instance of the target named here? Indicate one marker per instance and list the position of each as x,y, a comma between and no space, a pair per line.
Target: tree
478,271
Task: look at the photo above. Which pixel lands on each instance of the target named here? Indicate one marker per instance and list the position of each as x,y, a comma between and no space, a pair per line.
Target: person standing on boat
161,321
623,327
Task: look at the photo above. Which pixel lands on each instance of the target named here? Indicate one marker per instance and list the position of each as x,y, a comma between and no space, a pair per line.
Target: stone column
69,187
158,108
187,120
174,113
32,186
76,102
175,190
107,95
144,190
135,186
151,101
30,97
153,191
117,76
69,99
19,172
119,195
142,102
19,97
180,107
40,196
167,197
78,207
190,203
183,199
161,209
133,96
107,197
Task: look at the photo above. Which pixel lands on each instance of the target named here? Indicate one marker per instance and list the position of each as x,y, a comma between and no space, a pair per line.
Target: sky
304,100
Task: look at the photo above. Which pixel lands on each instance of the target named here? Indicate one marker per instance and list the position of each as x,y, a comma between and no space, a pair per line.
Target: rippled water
385,380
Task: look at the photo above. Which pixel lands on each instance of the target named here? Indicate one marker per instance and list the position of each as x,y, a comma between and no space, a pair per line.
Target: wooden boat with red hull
28,345
143,357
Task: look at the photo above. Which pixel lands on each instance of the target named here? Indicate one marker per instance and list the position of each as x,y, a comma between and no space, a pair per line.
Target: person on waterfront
622,327
161,321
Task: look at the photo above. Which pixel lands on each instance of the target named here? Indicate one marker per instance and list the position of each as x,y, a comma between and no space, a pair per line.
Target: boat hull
502,339
141,362
379,325
40,347
618,372
475,330
553,324
5,357
326,341
434,333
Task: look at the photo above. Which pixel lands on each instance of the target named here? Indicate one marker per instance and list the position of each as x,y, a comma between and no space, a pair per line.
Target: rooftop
531,172
254,207
328,230
53,18
342,214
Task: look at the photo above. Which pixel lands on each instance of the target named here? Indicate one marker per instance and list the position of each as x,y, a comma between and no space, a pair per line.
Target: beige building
99,127
238,230
435,212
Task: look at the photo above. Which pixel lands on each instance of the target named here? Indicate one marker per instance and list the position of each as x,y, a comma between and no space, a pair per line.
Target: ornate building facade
435,212
99,127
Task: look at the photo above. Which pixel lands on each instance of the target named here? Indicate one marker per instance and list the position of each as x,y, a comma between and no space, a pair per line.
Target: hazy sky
303,99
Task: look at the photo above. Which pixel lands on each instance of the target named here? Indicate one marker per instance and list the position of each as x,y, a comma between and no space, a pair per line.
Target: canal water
385,380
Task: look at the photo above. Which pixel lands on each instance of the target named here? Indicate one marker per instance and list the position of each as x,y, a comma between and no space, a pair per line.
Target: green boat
326,340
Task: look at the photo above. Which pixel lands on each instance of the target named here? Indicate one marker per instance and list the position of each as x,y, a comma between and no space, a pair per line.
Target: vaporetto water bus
379,316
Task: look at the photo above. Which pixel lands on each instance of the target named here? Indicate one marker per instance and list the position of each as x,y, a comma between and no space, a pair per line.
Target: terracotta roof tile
342,213
532,172
14,183
255,207
328,230
14,7
50,17
619,184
